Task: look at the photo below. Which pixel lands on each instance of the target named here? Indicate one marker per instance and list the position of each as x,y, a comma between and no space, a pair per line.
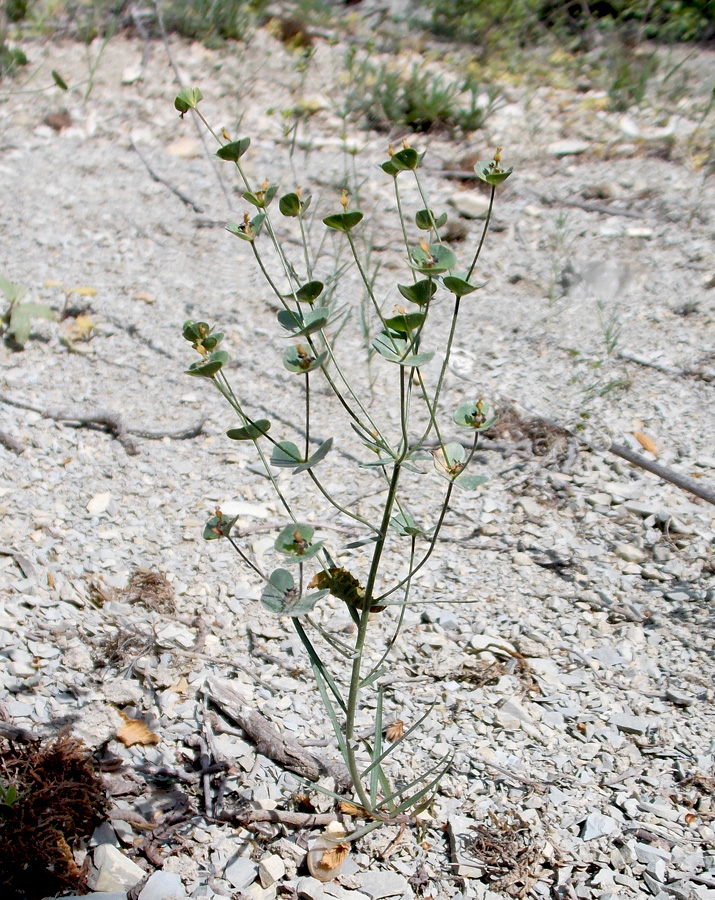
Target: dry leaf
134,731
395,730
350,809
335,856
647,443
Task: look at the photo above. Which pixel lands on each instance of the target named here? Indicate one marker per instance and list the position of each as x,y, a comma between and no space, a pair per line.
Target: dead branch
167,184
7,440
110,420
685,482
280,748
13,733
279,817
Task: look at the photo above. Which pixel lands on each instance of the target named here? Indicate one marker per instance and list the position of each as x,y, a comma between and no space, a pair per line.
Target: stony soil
562,628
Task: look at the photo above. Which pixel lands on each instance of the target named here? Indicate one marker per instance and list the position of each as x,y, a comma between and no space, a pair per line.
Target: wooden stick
284,750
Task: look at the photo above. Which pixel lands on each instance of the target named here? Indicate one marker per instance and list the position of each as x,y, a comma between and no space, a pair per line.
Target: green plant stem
427,207
307,415
484,232
353,694
246,558
333,502
433,541
402,224
368,288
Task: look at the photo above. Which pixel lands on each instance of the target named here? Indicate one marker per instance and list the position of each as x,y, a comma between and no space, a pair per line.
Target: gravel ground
562,628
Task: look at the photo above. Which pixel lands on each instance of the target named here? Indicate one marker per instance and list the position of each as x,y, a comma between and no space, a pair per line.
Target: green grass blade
403,790
404,737
377,749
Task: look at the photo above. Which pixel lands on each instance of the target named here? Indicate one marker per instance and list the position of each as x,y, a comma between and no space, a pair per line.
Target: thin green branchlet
343,665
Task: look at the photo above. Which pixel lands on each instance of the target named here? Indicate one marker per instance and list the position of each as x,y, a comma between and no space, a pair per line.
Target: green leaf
59,80
390,168
208,368
299,359
343,221
404,525
316,457
420,292
449,461
405,159
13,292
211,341
250,432
218,527
475,414
187,99
470,482
459,286
20,325
261,199
295,541
40,311
304,324
235,150
290,205
406,322
309,292
389,346
416,360
194,332
247,232
426,219
286,455
18,56
281,596
490,171
439,259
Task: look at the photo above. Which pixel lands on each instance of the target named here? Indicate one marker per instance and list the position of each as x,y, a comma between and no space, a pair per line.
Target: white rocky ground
564,626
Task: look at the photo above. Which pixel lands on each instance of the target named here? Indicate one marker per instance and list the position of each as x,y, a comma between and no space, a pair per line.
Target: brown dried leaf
335,856
350,809
395,730
134,731
647,443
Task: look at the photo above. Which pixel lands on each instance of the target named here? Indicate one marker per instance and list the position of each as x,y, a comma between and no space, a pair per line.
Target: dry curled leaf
350,809
647,443
395,730
134,731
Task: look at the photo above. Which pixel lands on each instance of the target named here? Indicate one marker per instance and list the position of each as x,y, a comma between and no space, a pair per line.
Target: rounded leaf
295,542
420,292
475,414
289,205
235,150
490,171
286,455
281,596
406,322
208,368
251,431
316,457
300,359
470,482
426,219
459,286
433,261
405,159
344,221
187,99
300,324
218,526
308,292
450,460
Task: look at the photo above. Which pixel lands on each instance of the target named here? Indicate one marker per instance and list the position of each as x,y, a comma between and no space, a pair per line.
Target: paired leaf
421,292
208,368
234,151
490,171
187,99
261,199
475,414
218,526
405,159
470,482
21,316
250,432
299,359
300,324
436,259
450,460
426,219
344,221
248,231
282,597
405,525
295,542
